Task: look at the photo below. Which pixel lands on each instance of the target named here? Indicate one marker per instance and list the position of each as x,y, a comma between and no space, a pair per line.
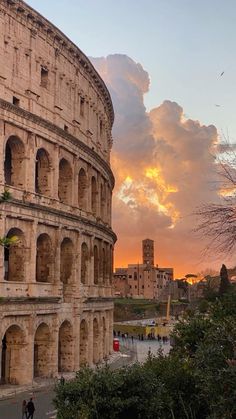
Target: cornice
37,22
59,131
59,213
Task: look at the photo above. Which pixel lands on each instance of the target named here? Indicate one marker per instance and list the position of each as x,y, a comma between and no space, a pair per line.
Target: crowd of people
150,336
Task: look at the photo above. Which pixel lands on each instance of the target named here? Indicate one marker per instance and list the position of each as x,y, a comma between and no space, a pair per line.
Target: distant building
144,280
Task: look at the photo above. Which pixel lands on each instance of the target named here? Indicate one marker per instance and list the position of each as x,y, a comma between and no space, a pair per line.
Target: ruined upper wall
43,72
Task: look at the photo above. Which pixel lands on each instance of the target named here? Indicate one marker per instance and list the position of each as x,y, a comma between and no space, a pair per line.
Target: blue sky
183,44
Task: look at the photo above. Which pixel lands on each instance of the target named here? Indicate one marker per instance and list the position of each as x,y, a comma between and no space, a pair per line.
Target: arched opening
96,355
94,195
15,257
42,172
84,263
42,351
82,190
66,260
14,163
12,361
96,264
104,350
65,182
44,259
83,343
65,348
102,202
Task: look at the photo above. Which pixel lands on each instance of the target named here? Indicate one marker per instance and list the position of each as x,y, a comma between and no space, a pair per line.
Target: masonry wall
56,115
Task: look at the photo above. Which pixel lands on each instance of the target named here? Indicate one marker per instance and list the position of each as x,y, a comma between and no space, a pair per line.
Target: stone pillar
110,331
56,172
90,337
31,277
54,340
76,333
29,359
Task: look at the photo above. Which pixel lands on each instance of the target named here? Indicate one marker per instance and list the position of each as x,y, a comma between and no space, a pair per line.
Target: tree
197,380
224,280
217,221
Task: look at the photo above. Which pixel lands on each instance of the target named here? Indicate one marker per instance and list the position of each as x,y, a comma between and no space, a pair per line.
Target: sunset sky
161,61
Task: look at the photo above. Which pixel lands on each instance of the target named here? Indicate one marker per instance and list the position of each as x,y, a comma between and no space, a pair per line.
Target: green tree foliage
197,380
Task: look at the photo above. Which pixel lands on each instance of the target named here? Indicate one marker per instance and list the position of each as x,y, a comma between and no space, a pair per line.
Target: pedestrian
132,338
62,380
30,409
24,409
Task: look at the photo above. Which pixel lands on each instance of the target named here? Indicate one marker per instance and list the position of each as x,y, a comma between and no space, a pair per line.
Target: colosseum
56,115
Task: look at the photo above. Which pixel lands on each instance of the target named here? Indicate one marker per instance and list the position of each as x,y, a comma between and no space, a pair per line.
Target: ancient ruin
56,115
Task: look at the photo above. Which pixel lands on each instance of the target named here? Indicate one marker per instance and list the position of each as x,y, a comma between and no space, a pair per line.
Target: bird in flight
221,74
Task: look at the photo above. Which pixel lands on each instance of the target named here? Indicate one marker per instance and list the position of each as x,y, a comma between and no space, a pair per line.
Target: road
11,408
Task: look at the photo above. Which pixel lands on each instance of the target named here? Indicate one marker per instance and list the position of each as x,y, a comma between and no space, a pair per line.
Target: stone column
54,338
76,333
90,337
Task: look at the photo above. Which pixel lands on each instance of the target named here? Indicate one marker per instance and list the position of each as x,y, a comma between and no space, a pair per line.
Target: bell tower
148,252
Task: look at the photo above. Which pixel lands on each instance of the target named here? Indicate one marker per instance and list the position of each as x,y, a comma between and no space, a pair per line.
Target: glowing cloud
164,168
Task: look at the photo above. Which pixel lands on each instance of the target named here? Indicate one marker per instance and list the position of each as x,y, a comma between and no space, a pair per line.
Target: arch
65,348
66,260
42,351
84,263
42,172
15,257
94,195
83,343
82,189
96,355
14,163
44,258
65,182
12,361
95,264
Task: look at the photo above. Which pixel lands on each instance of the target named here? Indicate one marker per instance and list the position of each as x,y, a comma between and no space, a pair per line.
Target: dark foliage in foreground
196,381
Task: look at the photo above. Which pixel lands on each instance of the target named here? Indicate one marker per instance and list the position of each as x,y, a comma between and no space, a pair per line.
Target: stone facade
56,115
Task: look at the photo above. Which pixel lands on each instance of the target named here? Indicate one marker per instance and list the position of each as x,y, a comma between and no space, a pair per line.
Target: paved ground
11,408
131,351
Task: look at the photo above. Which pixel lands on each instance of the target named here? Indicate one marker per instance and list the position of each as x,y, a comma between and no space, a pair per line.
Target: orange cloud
164,169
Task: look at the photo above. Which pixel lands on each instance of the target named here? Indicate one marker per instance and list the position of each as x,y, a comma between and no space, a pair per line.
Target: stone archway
66,260
65,182
84,263
15,257
82,189
14,163
44,258
42,351
83,343
96,354
65,348
42,172
12,362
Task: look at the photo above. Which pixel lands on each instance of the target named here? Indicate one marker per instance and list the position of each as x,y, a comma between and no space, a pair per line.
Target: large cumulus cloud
164,168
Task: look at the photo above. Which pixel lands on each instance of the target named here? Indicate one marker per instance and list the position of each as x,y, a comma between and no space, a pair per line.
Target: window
101,128
44,77
82,102
16,101
66,128
130,276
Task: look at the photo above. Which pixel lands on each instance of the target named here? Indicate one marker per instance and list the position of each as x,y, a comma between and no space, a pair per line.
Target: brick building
143,280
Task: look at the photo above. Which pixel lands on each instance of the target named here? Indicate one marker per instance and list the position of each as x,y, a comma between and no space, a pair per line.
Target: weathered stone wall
56,309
